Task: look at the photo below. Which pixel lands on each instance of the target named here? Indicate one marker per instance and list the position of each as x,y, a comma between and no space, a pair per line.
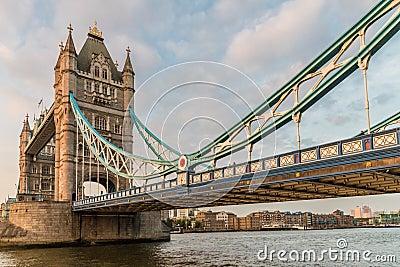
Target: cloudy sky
262,41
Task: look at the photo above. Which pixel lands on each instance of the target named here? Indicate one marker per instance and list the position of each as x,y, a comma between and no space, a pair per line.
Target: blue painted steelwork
115,159
162,150
389,146
344,69
380,126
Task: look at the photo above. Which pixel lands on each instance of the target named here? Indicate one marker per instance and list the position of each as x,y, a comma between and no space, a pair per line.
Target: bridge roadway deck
365,165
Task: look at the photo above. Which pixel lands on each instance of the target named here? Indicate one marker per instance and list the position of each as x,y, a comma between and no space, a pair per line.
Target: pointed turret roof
58,63
94,45
128,64
26,127
69,46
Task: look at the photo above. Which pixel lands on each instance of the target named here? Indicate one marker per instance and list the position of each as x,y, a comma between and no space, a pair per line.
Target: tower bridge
80,139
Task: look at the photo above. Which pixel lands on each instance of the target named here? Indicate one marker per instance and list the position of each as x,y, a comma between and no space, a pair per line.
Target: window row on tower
100,123
100,89
45,170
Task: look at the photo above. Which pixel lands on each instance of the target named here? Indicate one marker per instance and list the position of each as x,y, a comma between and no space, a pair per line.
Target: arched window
96,71
100,123
103,89
96,87
104,74
117,128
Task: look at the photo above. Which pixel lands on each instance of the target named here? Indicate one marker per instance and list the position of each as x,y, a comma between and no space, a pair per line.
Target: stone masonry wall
44,222
138,226
48,223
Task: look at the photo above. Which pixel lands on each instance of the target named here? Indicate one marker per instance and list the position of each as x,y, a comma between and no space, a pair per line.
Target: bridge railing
358,144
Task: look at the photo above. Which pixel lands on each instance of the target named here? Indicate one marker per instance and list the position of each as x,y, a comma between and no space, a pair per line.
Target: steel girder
329,68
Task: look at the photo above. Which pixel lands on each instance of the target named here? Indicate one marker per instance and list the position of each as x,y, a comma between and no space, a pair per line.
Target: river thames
339,247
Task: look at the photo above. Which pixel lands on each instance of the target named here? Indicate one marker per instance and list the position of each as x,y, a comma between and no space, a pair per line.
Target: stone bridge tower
103,94
54,157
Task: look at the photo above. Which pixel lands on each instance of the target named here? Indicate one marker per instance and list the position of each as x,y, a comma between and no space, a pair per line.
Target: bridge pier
53,224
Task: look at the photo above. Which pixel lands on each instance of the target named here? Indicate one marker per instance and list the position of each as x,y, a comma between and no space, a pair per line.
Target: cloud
275,37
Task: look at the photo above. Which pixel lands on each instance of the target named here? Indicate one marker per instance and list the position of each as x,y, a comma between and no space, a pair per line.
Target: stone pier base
54,223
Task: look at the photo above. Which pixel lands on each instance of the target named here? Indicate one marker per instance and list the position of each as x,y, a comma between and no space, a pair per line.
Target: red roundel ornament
182,163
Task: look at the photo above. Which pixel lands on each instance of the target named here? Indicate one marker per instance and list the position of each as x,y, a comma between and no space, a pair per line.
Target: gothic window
100,123
117,129
112,92
34,170
45,185
103,90
45,170
88,86
96,71
104,72
96,87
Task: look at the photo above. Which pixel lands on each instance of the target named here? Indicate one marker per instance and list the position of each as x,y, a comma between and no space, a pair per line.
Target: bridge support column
54,223
139,226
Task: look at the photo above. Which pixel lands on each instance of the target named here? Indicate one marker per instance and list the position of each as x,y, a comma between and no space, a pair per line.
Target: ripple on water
210,249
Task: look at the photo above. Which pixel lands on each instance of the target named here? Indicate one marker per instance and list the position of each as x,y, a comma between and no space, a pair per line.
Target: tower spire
128,64
26,128
69,46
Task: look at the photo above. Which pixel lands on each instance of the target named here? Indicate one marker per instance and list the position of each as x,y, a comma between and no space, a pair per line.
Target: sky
252,47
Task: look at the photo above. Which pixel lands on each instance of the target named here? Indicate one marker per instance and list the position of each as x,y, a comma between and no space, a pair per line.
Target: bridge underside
43,134
366,174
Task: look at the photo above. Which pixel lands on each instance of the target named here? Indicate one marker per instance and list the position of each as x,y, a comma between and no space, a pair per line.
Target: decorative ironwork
351,147
270,163
385,140
256,166
196,178
287,160
228,172
241,169
217,174
309,155
182,178
205,176
329,151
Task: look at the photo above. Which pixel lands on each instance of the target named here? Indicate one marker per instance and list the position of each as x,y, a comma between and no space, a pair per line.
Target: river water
375,247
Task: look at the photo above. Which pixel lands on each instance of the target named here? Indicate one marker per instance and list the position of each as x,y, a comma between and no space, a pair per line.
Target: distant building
218,221
4,207
377,213
243,223
3,210
207,219
356,212
228,219
324,221
366,212
387,219
296,219
183,213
